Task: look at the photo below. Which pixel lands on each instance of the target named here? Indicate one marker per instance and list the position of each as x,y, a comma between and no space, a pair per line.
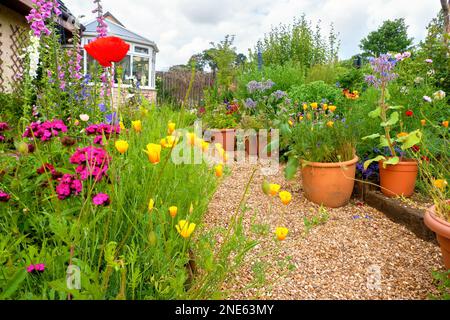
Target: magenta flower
68,186
40,267
44,131
4,197
103,128
101,199
92,162
98,140
42,10
4,126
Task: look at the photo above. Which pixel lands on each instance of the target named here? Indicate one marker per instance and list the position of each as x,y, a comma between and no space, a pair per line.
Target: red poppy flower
416,148
107,50
409,113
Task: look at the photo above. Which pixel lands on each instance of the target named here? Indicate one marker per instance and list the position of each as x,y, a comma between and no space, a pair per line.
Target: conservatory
138,67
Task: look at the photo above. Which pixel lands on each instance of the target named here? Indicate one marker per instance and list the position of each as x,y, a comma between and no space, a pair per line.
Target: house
14,32
139,64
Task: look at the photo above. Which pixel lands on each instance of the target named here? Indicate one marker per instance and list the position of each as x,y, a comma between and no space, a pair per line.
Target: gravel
339,259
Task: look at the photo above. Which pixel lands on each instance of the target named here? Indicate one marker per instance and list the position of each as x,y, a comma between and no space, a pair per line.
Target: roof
120,31
109,15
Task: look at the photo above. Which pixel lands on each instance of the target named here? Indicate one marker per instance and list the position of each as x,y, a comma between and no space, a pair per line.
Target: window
141,70
143,50
125,65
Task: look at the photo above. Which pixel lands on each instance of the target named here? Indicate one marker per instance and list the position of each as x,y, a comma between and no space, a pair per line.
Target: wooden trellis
19,41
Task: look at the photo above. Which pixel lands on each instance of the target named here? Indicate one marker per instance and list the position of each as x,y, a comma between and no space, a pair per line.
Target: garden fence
173,86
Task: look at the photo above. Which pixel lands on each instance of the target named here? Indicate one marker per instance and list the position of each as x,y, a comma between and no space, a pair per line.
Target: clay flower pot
442,230
329,184
226,137
400,179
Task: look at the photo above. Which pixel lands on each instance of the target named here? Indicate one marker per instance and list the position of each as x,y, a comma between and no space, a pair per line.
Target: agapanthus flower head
382,67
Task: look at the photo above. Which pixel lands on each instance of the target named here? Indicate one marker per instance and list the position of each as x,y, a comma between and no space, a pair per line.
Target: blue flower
112,118
250,104
102,107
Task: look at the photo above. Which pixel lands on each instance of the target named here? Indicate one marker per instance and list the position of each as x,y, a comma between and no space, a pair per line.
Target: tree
392,36
446,11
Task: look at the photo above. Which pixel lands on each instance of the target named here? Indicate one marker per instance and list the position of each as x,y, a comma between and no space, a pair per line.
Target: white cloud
185,27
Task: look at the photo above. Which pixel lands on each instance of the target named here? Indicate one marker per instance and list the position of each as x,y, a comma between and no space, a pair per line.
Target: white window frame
151,56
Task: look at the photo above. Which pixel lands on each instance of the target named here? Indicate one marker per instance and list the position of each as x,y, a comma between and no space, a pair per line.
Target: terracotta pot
226,137
329,184
400,179
442,230
260,143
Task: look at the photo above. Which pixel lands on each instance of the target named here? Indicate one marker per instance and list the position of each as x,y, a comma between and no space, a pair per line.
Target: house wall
150,94
9,19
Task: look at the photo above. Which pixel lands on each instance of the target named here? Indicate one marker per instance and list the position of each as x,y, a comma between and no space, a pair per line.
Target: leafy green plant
321,218
442,282
316,91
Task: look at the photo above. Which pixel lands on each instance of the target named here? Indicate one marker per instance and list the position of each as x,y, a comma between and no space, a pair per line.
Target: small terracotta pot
442,230
400,179
226,137
329,184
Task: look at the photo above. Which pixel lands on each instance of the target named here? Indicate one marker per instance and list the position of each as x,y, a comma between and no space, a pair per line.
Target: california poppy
107,50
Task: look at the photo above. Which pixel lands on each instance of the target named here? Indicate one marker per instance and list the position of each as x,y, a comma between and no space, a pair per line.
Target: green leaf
372,136
384,141
291,168
284,129
375,113
412,139
392,161
14,284
392,120
376,159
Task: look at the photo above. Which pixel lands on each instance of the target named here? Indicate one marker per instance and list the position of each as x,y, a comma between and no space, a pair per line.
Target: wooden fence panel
173,85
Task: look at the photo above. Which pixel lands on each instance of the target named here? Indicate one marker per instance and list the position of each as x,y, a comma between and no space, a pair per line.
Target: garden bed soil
334,261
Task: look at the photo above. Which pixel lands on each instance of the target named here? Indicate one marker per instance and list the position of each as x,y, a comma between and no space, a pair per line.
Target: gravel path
335,260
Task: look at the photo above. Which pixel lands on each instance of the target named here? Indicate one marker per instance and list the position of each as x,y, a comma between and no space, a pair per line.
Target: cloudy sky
184,27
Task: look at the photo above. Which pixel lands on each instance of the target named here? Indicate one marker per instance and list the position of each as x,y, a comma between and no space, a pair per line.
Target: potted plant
222,122
323,144
435,174
397,174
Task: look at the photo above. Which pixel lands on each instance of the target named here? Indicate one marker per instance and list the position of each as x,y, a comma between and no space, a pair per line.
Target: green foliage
299,43
391,36
442,282
352,79
315,92
321,218
328,73
284,76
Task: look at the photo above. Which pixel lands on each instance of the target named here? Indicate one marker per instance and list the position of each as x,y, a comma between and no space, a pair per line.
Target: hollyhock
107,50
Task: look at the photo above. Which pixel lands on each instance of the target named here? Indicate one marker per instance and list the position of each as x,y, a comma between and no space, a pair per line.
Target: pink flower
98,140
68,186
101,199
40,267
4,197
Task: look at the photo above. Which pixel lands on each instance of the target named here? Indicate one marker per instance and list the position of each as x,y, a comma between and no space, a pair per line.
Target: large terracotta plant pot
226,137
400,179
329,184
442,230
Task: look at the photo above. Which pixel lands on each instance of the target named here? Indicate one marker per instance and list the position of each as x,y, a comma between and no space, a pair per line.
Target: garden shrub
327,73
316,91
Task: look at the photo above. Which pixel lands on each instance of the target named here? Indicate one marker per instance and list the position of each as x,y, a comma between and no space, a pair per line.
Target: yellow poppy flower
137,125
173,211
163,142
171,127
218,170
423,122
330,124
285,197
121,146
402,134
332,108
185,229
309,116
290,123
205,146
314,105
274,189
281,233
300,118
191,137
151,204
169,142
122,126
325,106
305,106
154,153
440,183
445,124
